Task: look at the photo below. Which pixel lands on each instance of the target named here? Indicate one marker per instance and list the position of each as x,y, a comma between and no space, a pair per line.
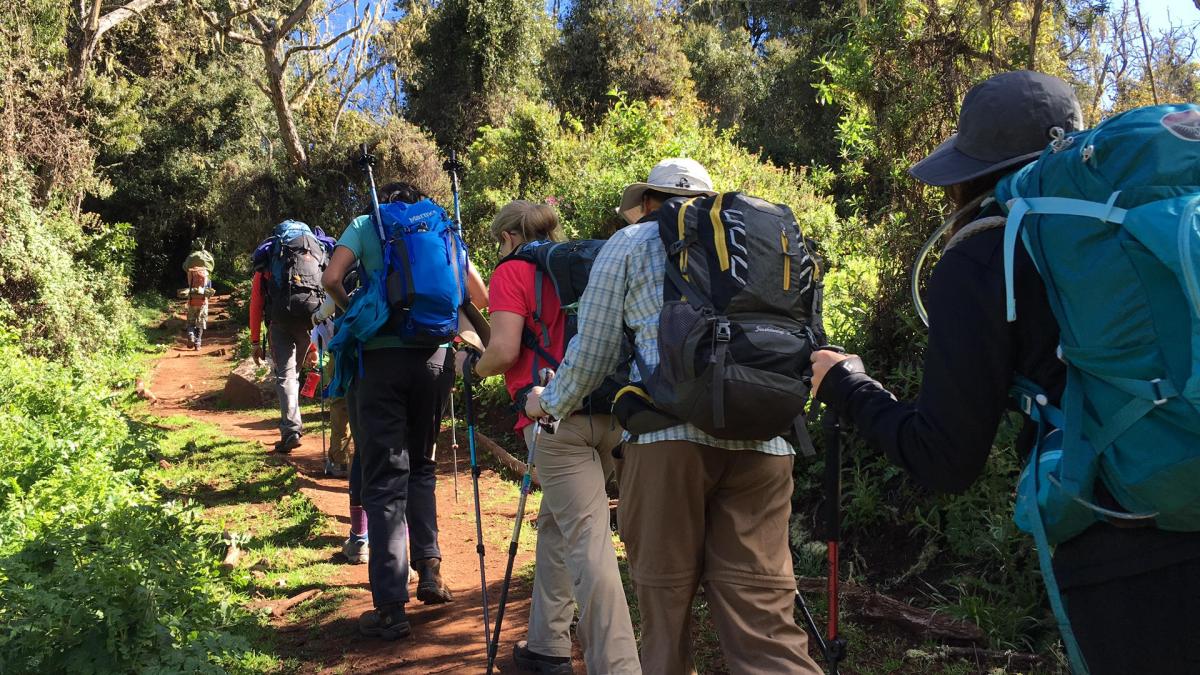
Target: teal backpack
1110,218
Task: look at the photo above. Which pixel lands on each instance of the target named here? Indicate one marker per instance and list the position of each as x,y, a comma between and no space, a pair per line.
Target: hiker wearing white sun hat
675,176
695,509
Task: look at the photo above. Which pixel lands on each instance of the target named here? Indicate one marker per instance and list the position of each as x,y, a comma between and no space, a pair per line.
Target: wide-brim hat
674,176
1005,121
473,328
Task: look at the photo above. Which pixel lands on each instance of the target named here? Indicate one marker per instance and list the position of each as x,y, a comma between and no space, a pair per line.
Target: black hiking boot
388,623
431,590
532,662
288,444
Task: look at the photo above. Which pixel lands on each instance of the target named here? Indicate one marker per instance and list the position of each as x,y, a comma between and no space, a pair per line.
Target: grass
288,546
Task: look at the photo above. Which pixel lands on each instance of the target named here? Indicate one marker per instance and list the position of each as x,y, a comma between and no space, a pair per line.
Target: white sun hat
675,176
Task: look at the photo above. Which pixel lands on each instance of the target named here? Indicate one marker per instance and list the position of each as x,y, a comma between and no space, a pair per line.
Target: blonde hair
534,222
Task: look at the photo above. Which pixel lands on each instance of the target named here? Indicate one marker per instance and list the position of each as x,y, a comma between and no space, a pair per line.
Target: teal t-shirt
362,239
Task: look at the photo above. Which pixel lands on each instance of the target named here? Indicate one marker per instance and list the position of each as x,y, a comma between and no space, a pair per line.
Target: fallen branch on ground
511,463
278,609
1008,658
922,623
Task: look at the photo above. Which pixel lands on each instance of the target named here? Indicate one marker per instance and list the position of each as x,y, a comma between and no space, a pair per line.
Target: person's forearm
339,295
492,363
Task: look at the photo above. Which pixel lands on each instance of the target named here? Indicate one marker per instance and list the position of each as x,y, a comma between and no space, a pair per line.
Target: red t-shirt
511,290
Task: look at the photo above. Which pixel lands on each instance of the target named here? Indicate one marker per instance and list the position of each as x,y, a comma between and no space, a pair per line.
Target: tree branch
115,17
287,54
226,28
298,98
294,18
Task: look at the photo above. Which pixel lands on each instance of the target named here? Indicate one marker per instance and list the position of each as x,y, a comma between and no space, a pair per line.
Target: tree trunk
82,51
277,83
1035,27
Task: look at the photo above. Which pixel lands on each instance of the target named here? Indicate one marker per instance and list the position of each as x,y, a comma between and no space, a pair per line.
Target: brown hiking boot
431,590
388,622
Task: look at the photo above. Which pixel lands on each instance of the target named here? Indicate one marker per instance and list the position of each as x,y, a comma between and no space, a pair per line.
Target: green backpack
1110,218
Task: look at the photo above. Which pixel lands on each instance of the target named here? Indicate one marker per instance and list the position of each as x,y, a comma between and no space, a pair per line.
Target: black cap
1005,121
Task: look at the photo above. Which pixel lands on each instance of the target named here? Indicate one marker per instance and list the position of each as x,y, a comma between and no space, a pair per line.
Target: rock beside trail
250,385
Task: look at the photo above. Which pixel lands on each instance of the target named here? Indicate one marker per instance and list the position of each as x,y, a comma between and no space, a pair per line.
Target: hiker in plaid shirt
694,509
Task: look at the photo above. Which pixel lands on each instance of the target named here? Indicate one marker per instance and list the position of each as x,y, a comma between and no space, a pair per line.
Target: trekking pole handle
367,160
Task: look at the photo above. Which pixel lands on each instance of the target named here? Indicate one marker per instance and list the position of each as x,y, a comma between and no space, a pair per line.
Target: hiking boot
388,622
287,445
533,662
356,550
335,470
431,590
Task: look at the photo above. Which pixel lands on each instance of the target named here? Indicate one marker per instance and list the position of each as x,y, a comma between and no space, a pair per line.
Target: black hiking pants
399,400
1145,624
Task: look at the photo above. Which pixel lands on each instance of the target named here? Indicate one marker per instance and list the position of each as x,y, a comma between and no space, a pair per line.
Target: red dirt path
446,638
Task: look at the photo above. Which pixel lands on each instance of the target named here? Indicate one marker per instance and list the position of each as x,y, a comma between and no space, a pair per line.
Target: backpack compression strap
1031,399
1146,394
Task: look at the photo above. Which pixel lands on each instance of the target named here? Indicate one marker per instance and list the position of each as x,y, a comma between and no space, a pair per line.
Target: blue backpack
424,271
1110,218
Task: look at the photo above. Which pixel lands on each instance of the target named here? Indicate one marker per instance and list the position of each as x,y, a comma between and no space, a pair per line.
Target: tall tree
277,36
91,23
628,45
471,62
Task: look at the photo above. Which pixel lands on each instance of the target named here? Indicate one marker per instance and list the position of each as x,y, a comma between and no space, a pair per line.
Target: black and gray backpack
568,264
741,315
296,258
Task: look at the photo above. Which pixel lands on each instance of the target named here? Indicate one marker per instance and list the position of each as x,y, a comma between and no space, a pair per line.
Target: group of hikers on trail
687,353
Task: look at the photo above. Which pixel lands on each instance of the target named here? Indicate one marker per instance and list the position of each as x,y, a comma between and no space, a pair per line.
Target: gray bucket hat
1005,121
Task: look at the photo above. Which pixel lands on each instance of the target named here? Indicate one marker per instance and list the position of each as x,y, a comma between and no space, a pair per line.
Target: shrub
63,278
96,575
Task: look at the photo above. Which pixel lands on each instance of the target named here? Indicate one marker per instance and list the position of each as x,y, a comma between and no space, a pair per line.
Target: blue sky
1156,12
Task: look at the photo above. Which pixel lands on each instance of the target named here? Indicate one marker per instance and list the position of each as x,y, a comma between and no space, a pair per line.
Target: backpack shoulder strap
678,233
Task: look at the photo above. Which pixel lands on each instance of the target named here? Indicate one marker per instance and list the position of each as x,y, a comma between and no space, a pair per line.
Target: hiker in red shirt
575,563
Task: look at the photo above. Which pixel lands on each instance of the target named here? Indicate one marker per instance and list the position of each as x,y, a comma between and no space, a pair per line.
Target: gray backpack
741,315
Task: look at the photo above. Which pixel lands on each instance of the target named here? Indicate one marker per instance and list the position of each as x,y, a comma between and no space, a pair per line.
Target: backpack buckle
724,333
1025,403
1159,398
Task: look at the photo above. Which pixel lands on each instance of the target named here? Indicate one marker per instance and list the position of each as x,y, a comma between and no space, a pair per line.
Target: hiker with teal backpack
532,297
394,362
1068,290
285,292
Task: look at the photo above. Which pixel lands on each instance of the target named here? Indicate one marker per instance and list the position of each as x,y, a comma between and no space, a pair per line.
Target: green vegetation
125,137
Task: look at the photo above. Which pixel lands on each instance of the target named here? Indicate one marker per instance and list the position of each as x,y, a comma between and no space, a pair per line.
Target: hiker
575,560
694,508
285,292
1131,590
396,400
198,267
340,450
341,441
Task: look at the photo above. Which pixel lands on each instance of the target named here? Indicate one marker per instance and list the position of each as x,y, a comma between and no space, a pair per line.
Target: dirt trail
446,638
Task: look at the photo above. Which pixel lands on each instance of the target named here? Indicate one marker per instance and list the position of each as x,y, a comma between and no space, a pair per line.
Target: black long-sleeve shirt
943,439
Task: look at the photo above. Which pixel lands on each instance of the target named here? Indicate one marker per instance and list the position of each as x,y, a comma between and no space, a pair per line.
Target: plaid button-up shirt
626,288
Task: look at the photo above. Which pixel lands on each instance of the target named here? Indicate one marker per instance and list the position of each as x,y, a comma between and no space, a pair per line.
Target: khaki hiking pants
692,514
576,563
341,443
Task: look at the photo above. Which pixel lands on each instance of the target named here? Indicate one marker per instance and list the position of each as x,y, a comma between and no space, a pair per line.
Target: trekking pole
526,488
367,161
324,418
454,443
453,166
835,646
469,399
